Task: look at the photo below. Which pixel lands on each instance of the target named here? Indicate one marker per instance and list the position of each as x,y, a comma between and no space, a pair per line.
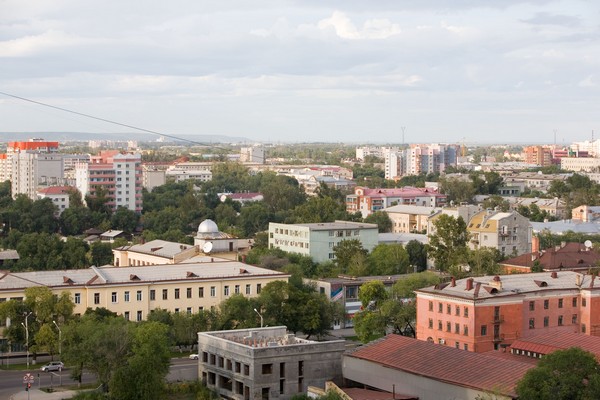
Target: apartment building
266,363
60,196
252,154
538,155
120,175
318,240
509,232
491,312
410,219
580,164
368,201
419,159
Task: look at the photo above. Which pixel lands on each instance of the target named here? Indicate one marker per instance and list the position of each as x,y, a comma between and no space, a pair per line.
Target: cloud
544,18
49,40
378,28
588,82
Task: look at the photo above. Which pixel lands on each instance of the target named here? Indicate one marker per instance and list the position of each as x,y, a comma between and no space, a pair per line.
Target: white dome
208,226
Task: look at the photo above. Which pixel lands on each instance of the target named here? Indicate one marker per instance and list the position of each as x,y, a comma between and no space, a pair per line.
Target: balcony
499,338
498,319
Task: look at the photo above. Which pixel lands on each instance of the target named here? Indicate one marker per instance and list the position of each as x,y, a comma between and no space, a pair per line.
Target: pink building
367,201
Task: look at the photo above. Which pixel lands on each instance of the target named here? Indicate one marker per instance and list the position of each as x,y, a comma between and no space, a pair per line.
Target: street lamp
26,326
59,339
261,317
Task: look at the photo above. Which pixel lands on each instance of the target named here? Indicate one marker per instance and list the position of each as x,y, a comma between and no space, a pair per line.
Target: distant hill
139,136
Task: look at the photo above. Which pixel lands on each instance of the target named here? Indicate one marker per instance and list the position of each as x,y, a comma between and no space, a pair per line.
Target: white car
193,356
53,366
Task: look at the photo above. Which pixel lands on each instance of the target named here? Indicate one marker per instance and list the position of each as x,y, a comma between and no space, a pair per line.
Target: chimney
496,282
592,281
554,275
244,258
469,284
578,280
535,244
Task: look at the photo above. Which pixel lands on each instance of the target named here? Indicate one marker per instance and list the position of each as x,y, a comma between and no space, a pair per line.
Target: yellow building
133,292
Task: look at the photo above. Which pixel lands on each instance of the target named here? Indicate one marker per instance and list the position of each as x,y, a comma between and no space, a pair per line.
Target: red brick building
488,313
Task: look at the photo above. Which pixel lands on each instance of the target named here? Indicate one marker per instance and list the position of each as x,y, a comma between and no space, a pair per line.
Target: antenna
207,247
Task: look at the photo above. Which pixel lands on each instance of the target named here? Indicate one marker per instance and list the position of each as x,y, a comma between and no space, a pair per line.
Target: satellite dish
207,248
588,243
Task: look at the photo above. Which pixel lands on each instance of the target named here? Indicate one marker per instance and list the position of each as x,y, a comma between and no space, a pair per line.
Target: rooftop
269,337
54,190
400,192
571,256
406,209
447,364
548,342
325,226
159,248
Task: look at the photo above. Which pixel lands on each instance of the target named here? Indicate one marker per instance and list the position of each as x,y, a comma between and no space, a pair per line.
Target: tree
124,219
417,255
346,250
389,259
458,191
101,254
448,243
382,219
564,374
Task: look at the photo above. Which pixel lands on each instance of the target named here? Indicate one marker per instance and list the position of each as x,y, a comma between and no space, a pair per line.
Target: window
448,327
165,294
574,301
200,292
546,321
430,305
188,292
457,345
430,323
138,295
96,298
258,288
457,310
226,290
267,369
560,303
126,296
531,323
213,291
531,305
546,304
351,292
466,347
439,325
152,294
466,330
177,293
440,307
483,330
448,309
583,302
574,319
237,289
457,328
560,320
126,315
189,311
139,316
113,297
248,289
77,298
466,311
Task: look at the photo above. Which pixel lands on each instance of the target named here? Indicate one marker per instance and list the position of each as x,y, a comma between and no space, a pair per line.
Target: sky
353,71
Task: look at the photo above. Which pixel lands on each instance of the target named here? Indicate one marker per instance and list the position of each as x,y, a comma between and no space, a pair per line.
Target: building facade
368,201
266,363
318,240
490,312
508,232
59,195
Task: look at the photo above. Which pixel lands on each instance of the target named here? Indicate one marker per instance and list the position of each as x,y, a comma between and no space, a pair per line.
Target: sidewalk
36,394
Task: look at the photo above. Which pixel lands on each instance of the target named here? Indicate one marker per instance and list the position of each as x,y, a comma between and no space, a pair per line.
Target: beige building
134,292
410,219
509,232
154,252
580,164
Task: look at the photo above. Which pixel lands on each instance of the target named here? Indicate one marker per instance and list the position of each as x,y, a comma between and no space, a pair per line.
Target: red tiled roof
243,196
571,256
446,364
366,394
546,343
55,190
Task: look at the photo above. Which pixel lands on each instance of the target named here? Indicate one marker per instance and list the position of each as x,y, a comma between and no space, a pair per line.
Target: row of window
560,303
176,293
560,321
457,330
354,232
457,309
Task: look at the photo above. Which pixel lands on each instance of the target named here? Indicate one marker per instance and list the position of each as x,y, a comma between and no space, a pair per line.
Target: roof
359,280
559,227
548,342
159,248
366,394
571,256
143,274
446,364
111,234
488,287
406,209
9,255
403,237
405,191
244,196
326,226
55,190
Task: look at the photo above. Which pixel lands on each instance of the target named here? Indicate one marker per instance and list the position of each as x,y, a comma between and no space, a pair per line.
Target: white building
252,154
580,164
59,196
180,175
318,240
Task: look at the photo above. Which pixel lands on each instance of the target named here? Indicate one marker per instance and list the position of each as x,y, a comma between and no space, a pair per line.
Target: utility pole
261,317
59,339
26,326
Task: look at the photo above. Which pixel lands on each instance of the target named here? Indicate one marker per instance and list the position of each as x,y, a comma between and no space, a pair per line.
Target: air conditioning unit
442,341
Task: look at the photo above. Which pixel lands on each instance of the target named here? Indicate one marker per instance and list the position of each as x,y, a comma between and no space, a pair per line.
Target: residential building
153,175
534,181
368,201
119,175
580,164
134,292
566,256
344,290
508,232
266,363
585,213
155,252
252,154
427,371
538,155
318,240
179,175
464,211
375,151
491,312
419,159
59,196
555,207
592,147
410,219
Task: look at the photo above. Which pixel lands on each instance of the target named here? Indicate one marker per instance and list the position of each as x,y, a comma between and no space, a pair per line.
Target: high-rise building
120,175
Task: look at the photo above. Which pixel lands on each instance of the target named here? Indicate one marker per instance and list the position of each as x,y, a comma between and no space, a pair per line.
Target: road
181,369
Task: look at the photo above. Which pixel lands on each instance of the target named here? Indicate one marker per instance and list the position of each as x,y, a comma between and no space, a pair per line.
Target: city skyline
507,72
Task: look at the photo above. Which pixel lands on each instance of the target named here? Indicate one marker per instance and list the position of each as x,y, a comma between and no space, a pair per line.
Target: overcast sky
311,70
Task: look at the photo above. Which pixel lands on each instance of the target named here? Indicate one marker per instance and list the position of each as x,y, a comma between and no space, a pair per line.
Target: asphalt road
182,369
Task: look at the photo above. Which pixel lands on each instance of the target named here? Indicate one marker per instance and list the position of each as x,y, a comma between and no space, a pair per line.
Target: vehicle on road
193,356
53,366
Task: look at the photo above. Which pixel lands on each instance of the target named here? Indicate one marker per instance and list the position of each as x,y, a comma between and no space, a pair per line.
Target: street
11,382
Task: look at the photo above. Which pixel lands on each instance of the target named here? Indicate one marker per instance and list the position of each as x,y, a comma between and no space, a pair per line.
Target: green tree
389,259
562,375
382,219
124,219
101,254
347,250
417,255
448,243
458,191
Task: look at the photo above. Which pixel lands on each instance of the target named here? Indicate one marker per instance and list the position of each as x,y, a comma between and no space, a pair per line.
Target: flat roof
325,226
159,248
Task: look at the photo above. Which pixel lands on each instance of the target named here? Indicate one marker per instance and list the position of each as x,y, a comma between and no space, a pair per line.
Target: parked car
193,356
53,366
